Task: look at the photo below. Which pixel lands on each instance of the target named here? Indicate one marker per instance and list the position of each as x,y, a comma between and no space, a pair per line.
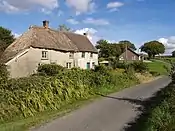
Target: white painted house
40,45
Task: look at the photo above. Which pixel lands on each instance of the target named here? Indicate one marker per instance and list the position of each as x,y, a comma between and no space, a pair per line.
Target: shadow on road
130,100
144,107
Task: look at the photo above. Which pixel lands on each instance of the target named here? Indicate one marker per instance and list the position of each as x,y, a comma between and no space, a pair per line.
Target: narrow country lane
110,113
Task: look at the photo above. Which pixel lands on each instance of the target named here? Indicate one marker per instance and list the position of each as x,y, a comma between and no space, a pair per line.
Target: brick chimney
46,24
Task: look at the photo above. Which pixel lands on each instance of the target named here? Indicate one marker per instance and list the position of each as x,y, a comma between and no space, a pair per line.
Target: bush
50,69
122,65
4,74
154,73
140,66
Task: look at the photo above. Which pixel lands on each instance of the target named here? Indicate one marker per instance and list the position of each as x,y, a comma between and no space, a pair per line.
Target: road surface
110,113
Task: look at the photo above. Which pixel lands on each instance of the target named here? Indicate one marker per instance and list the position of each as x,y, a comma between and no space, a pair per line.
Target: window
134,58
88,65
93,65
83,54
71,55
91,55
44,54
69,65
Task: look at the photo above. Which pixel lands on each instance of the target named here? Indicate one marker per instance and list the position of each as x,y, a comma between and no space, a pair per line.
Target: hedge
28,96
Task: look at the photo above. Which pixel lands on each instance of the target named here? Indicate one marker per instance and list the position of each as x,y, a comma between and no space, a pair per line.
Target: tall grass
24,97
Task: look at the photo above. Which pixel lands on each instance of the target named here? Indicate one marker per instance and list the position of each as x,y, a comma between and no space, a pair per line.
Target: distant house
130,55
42,45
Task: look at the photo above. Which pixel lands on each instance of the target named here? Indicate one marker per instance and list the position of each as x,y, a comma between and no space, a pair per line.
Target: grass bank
158,66
158,112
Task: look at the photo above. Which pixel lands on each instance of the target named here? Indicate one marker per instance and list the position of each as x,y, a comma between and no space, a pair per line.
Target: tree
103,46
173,53
63,27
125,43
3,46
108,49
153,48
6,38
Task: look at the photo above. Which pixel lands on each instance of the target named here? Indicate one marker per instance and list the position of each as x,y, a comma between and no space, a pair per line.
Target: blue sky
135,20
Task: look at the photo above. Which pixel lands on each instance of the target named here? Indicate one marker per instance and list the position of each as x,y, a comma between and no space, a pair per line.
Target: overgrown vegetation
137,66
159,111
25,97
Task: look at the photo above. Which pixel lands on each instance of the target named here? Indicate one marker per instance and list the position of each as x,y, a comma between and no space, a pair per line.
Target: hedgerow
28,96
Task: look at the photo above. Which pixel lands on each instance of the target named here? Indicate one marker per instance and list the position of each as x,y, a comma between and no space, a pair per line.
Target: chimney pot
85,34
46,24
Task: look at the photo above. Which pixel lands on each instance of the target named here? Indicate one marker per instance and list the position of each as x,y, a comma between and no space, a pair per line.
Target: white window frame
134,57
69,65
44,55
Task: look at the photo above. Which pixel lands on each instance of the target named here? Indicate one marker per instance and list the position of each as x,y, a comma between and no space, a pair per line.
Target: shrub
4,74
154,73
102,69
122,65
139,66
50,69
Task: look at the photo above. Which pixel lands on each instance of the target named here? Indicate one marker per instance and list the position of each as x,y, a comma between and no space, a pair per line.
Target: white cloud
46,11
113,10
113,6
91,34
73,21
81,6
95,21
11,6
6,7
16,35
169,44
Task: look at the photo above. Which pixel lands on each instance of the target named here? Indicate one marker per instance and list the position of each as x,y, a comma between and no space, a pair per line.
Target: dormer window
44,54
83,55
91,55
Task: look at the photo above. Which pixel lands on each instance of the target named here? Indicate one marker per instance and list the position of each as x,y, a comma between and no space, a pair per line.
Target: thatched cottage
42,45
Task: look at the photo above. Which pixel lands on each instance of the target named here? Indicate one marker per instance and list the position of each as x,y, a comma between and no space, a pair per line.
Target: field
159,66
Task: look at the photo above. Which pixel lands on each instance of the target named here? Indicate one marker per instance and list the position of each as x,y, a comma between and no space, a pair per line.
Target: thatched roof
46,38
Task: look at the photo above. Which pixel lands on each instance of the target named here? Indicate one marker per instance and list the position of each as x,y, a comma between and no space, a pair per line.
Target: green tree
153,48
103,46
125,43
3,46
115,50
173,53
6,38
108,50
63,27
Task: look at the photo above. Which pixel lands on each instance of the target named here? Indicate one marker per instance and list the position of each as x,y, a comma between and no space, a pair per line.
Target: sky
138,21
